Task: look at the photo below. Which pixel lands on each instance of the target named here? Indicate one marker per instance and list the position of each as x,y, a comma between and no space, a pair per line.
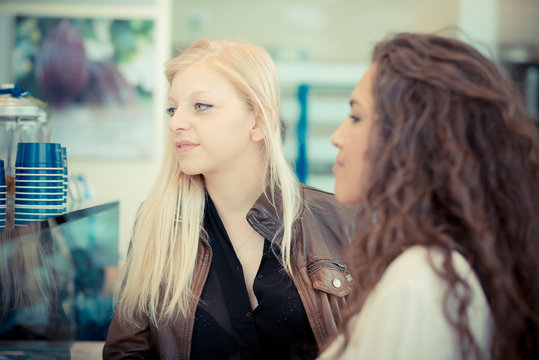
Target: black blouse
225,325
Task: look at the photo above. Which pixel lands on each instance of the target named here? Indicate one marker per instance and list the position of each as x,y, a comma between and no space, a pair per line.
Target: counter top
34,350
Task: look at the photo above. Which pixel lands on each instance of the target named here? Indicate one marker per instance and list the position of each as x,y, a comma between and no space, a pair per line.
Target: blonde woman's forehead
199,78
201,83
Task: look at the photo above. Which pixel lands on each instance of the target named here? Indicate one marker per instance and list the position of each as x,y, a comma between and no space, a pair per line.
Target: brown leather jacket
319,273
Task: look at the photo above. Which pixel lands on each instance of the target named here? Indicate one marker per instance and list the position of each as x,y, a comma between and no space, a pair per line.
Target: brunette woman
443,162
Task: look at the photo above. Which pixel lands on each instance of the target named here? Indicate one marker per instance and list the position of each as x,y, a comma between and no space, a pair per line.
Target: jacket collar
266,214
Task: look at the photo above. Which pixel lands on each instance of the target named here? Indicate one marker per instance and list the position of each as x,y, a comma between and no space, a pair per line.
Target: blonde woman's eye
201,107
171,111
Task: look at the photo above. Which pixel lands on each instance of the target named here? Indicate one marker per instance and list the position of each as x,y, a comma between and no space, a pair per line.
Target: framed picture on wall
96,76
129,2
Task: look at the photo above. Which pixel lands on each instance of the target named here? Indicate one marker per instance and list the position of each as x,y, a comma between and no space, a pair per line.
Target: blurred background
321,48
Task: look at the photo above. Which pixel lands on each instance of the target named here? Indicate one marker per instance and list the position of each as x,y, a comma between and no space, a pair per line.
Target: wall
325,44
519,22
315,30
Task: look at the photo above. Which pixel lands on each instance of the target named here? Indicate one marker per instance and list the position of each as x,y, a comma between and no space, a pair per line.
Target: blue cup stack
3,195
39,182
64,164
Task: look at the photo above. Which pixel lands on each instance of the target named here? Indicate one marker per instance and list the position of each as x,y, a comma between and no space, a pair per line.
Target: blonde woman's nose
178,121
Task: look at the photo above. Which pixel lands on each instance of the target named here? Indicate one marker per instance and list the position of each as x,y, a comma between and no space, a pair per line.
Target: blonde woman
230,257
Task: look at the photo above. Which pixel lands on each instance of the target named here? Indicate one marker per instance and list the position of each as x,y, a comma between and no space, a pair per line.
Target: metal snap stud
337,283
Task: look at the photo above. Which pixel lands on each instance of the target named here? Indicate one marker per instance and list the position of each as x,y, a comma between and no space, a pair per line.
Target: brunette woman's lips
185,146
336,167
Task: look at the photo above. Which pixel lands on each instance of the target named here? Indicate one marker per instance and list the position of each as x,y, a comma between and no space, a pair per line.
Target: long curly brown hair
456,168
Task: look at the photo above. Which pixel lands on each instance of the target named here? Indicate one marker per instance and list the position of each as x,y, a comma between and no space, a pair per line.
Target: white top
403,317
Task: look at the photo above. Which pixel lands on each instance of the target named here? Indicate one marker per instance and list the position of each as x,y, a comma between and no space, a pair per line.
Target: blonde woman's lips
183,147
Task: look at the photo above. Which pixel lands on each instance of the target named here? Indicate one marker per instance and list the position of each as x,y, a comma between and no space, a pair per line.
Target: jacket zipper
326,263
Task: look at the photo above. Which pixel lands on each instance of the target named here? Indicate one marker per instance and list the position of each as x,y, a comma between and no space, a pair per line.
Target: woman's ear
256,131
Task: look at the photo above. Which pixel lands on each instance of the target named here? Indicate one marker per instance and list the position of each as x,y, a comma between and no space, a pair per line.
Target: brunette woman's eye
201,107
354,118
171,111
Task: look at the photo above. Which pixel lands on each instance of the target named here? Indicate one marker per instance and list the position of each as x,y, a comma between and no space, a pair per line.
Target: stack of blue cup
39,182
3,195
64,164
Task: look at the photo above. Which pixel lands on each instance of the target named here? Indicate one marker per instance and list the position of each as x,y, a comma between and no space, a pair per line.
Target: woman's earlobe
256,130
257,134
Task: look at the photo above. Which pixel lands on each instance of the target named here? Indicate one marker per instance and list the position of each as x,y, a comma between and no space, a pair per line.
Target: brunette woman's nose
336,137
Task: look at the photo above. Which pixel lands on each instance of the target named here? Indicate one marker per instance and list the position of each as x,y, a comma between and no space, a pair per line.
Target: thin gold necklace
237,248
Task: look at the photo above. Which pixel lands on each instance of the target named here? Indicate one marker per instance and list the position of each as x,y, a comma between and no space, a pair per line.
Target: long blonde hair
156,279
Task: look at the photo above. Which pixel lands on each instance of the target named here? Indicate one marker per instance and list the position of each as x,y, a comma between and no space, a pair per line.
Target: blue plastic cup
27,217
39,177
2,173
33,217
41,184
33,202
38,190
38,171
39,155
64,159
22,214
35,189
38,209
40,196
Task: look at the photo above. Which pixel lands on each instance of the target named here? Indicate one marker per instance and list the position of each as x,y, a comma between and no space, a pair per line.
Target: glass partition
57,276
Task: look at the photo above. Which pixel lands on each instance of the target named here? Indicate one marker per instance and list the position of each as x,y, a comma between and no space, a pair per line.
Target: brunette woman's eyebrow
355,103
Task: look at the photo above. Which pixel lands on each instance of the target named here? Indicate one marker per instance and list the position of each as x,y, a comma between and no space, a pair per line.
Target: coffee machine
23,118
